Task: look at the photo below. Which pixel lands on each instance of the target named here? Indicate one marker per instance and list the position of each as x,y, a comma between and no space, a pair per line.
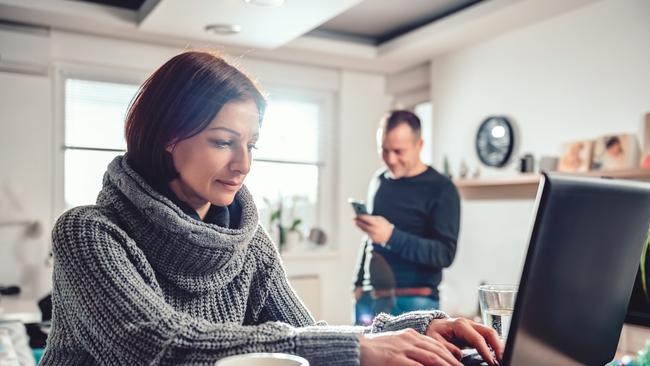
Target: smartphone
358,206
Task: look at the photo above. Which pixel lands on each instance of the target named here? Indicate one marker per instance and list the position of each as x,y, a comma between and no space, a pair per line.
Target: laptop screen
582,259
638,312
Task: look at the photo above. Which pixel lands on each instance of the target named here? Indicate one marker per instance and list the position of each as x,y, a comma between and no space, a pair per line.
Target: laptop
582,260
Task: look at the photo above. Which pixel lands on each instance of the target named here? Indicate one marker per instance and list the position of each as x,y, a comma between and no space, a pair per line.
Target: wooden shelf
524,186
632,174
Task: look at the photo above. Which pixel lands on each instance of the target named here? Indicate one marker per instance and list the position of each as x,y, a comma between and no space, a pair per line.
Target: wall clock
495,141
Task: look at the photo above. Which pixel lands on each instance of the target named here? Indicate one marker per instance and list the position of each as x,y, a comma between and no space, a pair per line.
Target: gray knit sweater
137,282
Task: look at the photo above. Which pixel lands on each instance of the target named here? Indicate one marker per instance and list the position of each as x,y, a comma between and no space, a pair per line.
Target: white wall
576,76
25,176
28,157
361,103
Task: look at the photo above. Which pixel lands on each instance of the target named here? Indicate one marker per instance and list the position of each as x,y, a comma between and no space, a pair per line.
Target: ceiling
383,36
126,4
368,22
378,21
257,25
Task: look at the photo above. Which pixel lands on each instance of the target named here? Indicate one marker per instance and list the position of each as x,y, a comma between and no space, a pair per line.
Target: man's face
400,149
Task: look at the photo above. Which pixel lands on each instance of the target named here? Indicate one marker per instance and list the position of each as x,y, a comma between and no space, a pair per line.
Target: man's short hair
396,117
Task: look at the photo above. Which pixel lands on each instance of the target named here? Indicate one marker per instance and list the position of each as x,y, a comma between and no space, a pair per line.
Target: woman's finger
476,340
409,362
429,351
427,357
450,346
492,338
453,349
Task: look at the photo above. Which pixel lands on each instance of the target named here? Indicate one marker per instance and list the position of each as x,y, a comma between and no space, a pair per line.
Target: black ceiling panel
124,4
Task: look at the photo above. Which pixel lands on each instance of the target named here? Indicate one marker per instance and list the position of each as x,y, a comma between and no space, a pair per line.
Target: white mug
266,359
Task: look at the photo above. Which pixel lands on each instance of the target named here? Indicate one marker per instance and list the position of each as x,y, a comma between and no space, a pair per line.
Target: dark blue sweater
425,210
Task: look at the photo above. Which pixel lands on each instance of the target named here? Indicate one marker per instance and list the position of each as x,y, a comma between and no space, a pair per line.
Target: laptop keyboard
472,358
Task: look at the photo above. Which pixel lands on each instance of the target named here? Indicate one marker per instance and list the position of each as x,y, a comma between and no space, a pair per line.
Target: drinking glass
497,304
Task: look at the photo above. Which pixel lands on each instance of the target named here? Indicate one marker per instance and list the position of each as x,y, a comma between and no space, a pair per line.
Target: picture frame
576,157
645,159
615,152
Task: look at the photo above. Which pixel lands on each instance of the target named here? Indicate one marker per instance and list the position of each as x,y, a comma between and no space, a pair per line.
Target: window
289,167
94,134
424,111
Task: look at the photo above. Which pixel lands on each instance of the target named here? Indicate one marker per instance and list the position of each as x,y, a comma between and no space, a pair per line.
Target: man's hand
474,334
377,227
358,292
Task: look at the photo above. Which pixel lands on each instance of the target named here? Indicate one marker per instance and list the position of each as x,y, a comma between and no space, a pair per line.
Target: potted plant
287,237
293,236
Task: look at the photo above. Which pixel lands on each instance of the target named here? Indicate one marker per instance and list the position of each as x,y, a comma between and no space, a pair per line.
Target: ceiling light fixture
266,3
223,29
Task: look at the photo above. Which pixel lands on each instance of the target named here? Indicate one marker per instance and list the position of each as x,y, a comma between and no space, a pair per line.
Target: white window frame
326,193
62,72
427,133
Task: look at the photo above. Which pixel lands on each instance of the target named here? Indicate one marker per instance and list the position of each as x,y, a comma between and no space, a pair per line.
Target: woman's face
213,164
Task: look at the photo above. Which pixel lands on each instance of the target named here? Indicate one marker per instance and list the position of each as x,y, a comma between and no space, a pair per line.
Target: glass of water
497,304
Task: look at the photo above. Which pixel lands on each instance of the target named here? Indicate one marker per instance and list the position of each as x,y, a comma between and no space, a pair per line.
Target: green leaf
276,215
295,224
283,236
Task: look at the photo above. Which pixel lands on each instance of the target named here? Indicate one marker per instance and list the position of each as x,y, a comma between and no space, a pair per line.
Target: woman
171,265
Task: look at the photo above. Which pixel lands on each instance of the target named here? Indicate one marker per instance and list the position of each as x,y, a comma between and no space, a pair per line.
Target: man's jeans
367,308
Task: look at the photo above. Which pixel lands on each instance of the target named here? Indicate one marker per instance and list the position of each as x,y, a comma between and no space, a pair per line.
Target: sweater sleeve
366,245
321,343
417,320
444,221
282,304
118,318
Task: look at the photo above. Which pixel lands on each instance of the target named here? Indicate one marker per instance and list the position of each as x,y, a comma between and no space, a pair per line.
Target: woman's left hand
474,334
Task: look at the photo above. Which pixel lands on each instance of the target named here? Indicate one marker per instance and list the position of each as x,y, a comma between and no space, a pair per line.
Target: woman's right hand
406,347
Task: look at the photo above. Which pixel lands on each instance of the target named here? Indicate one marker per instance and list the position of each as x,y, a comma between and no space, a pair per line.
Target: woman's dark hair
396,117
178,101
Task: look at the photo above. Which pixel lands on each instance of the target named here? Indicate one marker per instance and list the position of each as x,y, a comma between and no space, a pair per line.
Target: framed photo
645,160
576,157
615,152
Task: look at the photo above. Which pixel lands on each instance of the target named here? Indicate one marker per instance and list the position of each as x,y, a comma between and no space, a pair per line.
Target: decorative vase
293,238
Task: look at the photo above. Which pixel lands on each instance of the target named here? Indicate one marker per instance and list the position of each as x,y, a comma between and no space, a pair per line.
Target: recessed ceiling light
267,3
223,29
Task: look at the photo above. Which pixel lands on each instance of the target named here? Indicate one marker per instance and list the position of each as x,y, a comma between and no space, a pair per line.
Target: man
412,229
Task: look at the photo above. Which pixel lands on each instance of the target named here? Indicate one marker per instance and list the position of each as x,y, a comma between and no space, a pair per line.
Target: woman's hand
474,334
406,347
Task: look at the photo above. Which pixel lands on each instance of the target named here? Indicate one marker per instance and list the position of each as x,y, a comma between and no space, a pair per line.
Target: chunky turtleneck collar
226,216
185,251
